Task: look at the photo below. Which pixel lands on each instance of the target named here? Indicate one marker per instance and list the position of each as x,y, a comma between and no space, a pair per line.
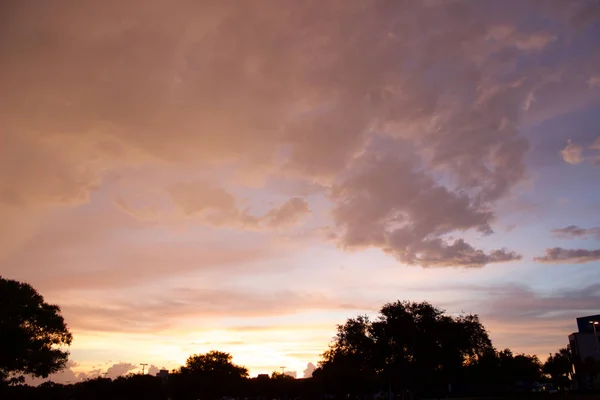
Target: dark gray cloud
559,255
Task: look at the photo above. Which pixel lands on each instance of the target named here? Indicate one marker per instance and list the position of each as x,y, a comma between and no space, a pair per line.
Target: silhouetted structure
163,374
584,324
585,349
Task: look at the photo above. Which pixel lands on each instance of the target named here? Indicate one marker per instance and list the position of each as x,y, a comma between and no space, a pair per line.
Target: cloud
388,203
73,253
286,106
164,311
64,376
523,41
558,255
573,231
144,214
210,203
68,376
516,302
523,319
153,370
594,81
595,160
246,107
572,153
293,374
310,368
290,213
120,369
141,150
196,198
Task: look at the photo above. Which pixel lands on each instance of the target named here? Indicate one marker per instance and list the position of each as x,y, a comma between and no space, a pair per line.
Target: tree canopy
32,332
212,374
409,345
559,366
215,364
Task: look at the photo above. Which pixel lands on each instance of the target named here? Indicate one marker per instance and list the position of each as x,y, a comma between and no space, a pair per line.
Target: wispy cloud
559,255
573,231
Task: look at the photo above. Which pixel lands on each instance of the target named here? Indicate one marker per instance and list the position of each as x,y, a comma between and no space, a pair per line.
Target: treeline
416,349
410,350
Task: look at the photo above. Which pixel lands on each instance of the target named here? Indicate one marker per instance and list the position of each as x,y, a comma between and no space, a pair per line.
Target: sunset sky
181,176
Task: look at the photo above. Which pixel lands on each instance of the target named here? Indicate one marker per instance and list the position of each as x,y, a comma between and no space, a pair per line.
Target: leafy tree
410,346
421,348
348,365
215,364
282,377
31,332
209,375
523,368
560,367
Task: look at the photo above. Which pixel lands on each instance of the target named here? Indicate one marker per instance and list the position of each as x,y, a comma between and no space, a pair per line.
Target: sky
182,176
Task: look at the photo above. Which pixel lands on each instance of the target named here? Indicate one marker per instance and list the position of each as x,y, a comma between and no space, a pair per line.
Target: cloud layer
278,93
234,161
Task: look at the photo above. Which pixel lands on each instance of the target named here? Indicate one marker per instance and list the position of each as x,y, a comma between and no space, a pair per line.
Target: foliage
216,364
212,374
410,346
282,377
31,332
559,366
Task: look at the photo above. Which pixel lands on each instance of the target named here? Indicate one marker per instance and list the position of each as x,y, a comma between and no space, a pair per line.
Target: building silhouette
585,349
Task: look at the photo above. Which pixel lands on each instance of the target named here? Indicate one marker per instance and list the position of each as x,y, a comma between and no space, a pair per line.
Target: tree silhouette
348,366
31,332
517,371
560,368
209,376
410,346
422,349
216,364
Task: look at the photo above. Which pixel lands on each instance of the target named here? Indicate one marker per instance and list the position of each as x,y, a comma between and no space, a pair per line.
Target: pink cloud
572,153
391,205
289,213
